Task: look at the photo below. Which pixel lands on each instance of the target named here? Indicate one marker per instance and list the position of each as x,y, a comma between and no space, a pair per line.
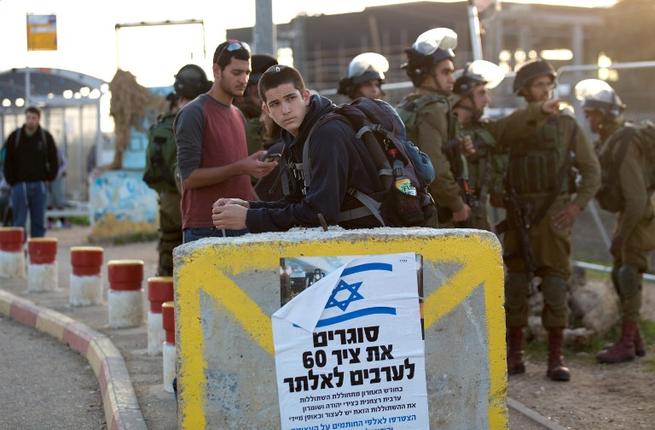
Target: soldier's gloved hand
566,217
463,214
617,245
229,217
230,201
551,107
254,166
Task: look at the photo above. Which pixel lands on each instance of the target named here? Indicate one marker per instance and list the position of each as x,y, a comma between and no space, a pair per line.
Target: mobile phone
275,156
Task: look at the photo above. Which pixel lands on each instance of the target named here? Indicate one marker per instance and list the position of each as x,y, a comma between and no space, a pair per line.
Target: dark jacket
26,161
339,161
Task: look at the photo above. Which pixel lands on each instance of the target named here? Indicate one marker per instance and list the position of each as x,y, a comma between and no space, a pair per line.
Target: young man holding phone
211,145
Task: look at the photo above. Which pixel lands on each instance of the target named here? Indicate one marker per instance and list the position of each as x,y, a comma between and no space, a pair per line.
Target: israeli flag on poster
349,350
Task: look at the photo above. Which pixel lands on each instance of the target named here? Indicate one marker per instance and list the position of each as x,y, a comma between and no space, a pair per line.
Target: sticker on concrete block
349,348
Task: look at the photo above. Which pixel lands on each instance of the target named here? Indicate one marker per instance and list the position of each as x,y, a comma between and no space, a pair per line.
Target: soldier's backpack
404,172
609,195
161,156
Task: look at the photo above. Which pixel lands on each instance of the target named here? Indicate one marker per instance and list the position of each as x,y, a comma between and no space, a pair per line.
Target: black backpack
404,172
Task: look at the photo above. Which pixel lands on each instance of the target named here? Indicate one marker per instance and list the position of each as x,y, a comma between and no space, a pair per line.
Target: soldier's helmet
365,67
595,94
190,82
479,72
429,49
531,70
259,64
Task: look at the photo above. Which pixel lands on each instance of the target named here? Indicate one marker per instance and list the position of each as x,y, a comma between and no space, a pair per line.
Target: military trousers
551,247
170,230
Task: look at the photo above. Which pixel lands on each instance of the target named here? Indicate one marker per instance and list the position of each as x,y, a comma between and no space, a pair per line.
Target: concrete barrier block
85,290
227,290
42,277
125,308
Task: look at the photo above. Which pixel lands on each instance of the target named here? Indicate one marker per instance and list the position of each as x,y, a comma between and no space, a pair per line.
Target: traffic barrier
227,289
160,290
168,347
12,258
42,268
125,297
86,276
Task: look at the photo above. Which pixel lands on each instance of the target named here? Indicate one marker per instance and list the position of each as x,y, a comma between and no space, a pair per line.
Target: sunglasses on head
235,45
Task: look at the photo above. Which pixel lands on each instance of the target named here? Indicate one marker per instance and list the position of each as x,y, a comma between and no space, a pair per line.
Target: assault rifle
459,167
518,219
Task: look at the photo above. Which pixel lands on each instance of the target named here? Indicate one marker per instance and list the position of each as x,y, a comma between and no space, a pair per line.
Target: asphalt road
44,384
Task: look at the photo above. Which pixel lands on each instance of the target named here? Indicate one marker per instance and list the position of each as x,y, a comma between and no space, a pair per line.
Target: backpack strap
370,207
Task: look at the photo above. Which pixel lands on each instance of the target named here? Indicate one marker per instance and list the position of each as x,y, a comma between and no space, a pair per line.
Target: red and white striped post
125,296
160,290
12,258
86,276
42,267
168,347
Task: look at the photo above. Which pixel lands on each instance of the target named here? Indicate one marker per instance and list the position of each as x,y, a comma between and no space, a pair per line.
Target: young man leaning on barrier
339,160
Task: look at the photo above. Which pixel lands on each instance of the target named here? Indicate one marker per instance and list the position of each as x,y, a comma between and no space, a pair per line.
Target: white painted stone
125,308
12,264
42,277
85,290
156,333
169,359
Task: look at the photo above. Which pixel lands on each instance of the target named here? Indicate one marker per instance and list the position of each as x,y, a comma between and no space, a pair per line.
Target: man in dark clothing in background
31,161
339,162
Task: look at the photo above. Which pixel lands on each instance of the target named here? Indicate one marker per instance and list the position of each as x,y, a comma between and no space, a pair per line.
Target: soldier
626,190
540,175
161,164
428,116
251,105
485,167
365,76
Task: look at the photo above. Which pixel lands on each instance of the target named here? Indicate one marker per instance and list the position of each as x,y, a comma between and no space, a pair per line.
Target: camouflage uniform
431,125
636,216
485,171
254,135
537,152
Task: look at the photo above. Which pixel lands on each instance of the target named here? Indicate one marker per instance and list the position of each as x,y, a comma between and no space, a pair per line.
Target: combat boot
640,348
623,349
515,363
556,369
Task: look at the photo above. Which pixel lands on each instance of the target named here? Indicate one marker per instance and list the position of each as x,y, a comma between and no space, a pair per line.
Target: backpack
404,172
161,156
609,195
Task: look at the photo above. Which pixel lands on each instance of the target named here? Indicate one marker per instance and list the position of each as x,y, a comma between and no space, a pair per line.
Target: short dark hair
278,75
33,109
223,56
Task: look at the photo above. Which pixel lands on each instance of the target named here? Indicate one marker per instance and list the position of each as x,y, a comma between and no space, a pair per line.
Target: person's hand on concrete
230,201
566,217
229,217
254,166
462,214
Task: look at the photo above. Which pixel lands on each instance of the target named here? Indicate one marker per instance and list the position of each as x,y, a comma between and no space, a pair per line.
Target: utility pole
474,30
264,35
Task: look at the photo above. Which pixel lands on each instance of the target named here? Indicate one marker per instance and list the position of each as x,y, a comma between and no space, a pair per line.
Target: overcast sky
87,40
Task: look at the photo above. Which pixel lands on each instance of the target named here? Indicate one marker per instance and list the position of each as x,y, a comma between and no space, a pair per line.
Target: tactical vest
161,156
481,166
537,159
410,108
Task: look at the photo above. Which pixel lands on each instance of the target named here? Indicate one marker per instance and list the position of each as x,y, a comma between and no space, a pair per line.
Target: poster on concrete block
349,350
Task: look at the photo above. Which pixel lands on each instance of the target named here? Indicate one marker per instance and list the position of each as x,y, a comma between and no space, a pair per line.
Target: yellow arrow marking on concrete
203,271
